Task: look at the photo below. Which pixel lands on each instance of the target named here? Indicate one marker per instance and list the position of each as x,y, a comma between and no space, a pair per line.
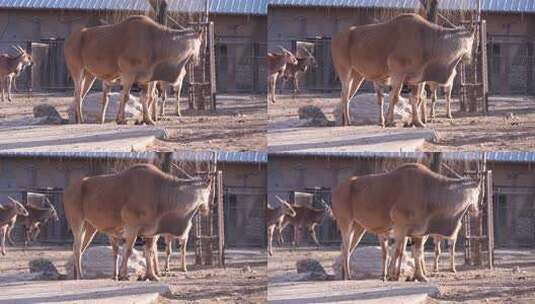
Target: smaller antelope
277,64
8,216
39,213
292,72
11,67
274,216
305,218
447,88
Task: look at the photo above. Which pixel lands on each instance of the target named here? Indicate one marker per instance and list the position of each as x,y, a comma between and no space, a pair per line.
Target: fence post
29,80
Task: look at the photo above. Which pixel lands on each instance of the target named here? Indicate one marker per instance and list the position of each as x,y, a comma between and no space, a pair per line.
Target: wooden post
484,66
221,219
490,218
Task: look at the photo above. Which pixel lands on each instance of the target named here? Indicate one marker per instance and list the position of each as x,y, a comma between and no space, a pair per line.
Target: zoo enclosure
240,66
244,203
511,66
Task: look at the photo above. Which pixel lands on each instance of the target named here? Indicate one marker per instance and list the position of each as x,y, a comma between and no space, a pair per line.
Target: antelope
305,218
293,72
139,201
136,51
11,68
8,216
277,64
410,201
274,216
407,49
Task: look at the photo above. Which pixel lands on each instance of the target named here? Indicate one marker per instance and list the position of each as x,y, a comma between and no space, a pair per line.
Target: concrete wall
19,175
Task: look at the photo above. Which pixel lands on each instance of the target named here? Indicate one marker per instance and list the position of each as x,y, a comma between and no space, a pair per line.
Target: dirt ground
509,125
505,284
242,281
239,124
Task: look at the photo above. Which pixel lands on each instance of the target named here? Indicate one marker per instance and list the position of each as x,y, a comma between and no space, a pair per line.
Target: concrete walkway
78,138
348,139
82,292
362,292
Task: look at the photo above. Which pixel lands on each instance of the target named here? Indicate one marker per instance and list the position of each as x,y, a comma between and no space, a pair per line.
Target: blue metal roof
243,7
517,6
223,157
499,157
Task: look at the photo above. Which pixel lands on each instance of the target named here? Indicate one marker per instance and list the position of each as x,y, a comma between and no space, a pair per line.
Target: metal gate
514,216
511,64
245,216
241,65
49,72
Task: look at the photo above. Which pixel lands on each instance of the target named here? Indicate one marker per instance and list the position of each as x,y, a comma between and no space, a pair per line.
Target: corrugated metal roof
223,157
509,157
526,6
247,7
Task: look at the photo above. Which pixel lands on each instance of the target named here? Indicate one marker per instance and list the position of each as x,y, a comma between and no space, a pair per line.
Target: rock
314,116
366,263
97,263
310,270
93,106
364,110
44,269
47,114
309,265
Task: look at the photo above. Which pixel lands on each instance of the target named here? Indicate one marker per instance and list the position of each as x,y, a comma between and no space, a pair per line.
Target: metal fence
245,216
514,216
240,65
511,64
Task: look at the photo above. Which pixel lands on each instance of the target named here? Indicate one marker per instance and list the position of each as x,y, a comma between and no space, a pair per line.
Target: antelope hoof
152,277
3,252
418,124
120,121
122,277
184,270
149,122
450,116
454,270
420,278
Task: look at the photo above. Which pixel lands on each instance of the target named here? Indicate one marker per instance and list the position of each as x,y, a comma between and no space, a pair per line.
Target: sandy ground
242,281
239,123
510,124
501,285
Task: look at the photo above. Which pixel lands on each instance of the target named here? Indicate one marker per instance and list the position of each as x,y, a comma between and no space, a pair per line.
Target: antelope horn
281,200
283,49
21,49
16,49
182,170
15,201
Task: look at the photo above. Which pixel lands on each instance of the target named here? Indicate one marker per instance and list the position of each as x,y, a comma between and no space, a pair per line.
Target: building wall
19,175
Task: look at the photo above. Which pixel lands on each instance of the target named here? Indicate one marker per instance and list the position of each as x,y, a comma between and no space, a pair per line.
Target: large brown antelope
277,64
11,67
293,72
306,218
137,50
274,216
140,201
8,216
411,201
408,49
